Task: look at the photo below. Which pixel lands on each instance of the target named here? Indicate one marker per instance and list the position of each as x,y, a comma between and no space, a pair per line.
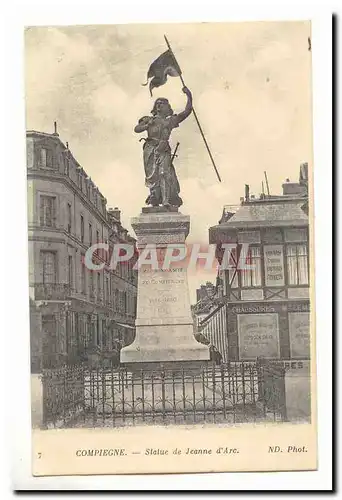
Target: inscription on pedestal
164,324
163,294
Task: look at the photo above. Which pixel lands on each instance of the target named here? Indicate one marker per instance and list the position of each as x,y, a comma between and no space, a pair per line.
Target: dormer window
45,158
66,165
79,179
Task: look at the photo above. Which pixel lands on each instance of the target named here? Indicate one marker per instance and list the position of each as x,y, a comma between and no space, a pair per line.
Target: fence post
260,365
282,398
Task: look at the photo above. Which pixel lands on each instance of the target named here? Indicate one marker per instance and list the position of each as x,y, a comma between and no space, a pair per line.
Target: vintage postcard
171,263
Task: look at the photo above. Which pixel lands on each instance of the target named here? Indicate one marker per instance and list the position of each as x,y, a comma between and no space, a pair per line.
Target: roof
270,213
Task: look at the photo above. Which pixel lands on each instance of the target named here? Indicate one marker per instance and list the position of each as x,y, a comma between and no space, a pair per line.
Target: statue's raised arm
188,108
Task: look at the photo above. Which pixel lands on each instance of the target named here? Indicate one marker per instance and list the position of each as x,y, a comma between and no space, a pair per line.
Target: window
120,335
116,300
47,211
49,266
90,235
72,334
88,338
97,331
69,217
232,274
107,289
104,333
98,284
106,253
83,275
119,269
45,158
232,279
80,327
70,271
79,180
49,324
297,265
91,283
252,277
111,289
66,165
49,341
82,229
98,251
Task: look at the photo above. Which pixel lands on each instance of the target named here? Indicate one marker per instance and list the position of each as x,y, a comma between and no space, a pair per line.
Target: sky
251,85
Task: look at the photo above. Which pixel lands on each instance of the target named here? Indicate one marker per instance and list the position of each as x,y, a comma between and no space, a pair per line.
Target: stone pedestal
164,324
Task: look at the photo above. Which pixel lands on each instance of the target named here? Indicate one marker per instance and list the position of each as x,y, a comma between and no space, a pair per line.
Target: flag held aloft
165,65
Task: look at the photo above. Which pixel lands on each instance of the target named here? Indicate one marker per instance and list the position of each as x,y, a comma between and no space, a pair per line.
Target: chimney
115,213
201,292
246,192
293,188
55,128
303,173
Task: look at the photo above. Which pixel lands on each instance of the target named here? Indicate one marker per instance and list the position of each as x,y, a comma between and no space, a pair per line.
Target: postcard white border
14,254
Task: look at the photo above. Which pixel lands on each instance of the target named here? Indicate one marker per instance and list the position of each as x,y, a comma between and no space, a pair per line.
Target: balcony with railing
51,291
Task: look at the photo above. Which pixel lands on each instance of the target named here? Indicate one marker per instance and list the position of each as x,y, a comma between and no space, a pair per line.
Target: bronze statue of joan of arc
160,174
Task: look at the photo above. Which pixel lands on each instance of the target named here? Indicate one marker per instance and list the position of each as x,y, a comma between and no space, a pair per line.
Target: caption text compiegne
220,450
112,452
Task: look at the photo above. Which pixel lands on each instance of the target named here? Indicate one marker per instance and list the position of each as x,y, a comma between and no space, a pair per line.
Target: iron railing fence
52,291
235,392
63,395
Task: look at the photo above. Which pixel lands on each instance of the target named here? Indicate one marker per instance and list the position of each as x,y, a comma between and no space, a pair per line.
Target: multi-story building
75,313
265,306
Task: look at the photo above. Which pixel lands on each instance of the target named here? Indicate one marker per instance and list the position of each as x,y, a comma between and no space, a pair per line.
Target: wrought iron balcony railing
52,291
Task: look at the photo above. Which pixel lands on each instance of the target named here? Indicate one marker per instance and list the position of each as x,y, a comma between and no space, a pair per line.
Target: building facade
76,313
208,298
265,309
